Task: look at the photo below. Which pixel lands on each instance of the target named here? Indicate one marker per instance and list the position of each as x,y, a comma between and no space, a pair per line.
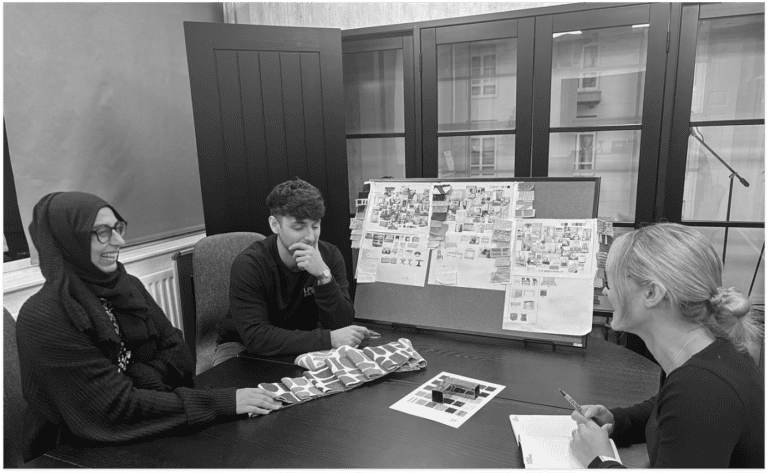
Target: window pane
744,246
459,156
477,85
373,91
611,155
729,79
373,158
706,179
598,77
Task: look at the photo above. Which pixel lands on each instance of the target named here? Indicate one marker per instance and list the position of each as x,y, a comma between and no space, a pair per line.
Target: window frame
670,200
404,40
657,17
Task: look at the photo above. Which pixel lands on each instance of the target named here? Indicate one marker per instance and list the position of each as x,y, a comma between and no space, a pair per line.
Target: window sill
20,275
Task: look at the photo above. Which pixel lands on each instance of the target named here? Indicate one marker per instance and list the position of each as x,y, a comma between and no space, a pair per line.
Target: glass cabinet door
597,67
378,84
470,99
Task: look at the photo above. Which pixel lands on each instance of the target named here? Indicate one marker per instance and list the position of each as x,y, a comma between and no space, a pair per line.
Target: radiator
163,288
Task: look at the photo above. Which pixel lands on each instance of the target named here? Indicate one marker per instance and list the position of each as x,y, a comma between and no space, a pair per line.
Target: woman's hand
255,401
591,412
590,440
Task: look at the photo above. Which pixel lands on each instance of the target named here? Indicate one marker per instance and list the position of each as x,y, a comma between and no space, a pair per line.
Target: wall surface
362,15
97,99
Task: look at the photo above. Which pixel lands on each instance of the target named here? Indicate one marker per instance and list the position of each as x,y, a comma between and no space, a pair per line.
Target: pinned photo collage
475,208
548,247
401,208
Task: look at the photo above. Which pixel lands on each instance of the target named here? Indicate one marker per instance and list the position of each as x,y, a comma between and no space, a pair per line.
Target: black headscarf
61,231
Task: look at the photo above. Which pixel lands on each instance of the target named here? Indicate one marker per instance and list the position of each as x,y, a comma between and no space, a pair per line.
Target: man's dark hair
296,198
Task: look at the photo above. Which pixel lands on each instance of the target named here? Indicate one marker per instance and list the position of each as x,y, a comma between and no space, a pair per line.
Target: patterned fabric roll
388,357
370,368
415,361
283,393
333,371
302,388
345,371
325,381
315,360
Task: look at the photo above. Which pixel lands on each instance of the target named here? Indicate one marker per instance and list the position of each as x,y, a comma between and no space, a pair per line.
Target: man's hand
352,335
255,401
589,440
308,258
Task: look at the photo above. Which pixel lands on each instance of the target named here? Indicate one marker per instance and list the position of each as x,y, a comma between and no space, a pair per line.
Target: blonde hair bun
729,301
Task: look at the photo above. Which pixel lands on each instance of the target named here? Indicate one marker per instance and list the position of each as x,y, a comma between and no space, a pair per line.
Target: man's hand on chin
308,258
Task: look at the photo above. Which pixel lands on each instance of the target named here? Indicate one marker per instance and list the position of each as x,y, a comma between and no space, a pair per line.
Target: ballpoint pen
576,406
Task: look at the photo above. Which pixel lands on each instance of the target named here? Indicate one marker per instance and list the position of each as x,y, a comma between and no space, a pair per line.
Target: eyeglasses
606,281
104,233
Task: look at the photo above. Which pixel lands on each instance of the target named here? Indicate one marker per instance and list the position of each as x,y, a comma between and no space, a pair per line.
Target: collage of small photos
454,410
480,235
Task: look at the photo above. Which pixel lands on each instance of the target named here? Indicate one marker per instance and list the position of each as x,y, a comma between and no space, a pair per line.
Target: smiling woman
93,336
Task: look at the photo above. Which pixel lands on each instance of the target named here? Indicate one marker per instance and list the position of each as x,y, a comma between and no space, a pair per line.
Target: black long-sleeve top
709,413
274,310
69,381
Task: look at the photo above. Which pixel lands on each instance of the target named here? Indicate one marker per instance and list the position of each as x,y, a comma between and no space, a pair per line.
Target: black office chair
13,400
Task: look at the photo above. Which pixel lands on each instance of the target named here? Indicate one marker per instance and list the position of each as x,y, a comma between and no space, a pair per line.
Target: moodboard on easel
505,257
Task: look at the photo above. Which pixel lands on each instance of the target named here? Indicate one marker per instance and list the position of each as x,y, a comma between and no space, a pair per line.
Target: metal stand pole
728,216
759,259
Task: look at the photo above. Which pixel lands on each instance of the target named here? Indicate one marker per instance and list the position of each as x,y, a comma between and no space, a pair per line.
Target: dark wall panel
271,87
255,142
232,128
313,121
295,148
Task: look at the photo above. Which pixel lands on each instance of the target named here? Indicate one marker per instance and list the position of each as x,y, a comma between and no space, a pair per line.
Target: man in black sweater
288,293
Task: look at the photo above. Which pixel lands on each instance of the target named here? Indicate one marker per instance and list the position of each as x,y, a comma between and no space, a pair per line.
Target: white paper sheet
455,411
549,304
475,223
470,264
394,258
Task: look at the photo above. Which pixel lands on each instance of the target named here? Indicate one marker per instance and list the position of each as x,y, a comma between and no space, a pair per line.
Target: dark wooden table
357,429
603,373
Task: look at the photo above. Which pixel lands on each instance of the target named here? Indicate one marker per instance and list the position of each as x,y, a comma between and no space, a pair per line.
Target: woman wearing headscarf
99,359
665,284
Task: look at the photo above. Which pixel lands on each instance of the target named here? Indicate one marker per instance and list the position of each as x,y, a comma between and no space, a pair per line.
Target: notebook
545,441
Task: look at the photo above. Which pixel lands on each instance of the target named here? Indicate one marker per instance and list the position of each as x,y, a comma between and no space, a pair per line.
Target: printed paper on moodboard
399,207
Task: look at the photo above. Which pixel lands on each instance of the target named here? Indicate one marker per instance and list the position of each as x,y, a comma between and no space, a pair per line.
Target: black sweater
709,413
72,386
274,310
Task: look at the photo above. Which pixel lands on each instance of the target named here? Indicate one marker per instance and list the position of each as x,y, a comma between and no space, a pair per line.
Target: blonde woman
665,283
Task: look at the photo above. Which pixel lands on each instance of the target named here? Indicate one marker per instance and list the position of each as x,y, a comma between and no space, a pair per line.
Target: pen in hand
576,406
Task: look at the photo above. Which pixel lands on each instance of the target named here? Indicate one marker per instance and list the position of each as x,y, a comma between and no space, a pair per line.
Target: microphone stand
700,138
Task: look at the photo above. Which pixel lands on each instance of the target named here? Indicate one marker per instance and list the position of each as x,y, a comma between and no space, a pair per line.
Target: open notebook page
545,441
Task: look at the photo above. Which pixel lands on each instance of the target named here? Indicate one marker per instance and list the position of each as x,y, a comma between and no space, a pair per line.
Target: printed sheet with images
399,207
470,235
393,245
454,410
395,258
553,269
